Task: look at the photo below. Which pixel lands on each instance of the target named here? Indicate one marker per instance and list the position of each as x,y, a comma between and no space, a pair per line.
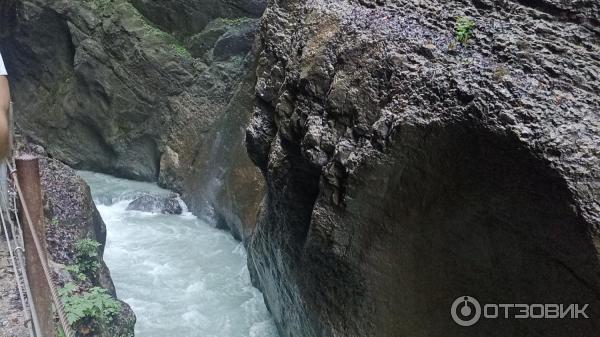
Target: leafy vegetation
86,259
155,31
76,272
464,29
87,309
84,307
181,50
168,39
151,32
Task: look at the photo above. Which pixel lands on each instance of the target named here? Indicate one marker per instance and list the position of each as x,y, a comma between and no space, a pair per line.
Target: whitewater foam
182,276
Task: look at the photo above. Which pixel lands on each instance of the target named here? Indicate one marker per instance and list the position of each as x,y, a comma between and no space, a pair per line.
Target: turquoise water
181,276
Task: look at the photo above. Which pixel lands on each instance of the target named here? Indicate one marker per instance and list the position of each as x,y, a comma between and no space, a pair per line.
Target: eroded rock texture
70,216
405,169
138,89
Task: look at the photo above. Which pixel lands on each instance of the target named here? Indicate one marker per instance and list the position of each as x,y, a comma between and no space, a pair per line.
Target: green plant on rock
76,272
168,39
84,308
464,29
181,50
86,259
153,30
500,72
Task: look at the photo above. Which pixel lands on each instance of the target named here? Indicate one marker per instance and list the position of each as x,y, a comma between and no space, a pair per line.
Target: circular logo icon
465,311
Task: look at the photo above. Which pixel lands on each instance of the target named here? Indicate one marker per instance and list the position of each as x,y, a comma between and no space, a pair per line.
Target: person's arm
4,116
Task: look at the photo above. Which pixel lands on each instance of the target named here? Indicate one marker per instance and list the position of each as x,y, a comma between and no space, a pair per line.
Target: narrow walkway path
11,314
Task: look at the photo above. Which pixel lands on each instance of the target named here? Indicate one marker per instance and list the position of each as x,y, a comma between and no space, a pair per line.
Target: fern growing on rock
86,259
84,308
464,29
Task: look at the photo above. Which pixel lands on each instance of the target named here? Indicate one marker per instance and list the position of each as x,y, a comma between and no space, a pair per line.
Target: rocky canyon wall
141,89
405,169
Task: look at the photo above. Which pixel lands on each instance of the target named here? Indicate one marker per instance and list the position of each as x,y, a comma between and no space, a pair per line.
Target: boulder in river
165,204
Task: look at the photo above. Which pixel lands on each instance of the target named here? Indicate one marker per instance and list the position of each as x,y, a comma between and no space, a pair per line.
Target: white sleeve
2,68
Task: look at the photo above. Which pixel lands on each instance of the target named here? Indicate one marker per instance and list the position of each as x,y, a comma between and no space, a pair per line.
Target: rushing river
181,276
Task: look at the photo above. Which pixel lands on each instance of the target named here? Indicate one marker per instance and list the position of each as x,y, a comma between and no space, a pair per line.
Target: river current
181,276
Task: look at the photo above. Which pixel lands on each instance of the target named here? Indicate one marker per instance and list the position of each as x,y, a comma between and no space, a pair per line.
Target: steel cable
18,270
38,248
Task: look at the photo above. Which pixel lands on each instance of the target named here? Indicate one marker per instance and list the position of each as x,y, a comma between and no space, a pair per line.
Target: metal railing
32,274
34,250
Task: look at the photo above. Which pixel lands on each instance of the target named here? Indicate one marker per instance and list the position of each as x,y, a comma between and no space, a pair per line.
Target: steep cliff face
136,89
405,169
229,183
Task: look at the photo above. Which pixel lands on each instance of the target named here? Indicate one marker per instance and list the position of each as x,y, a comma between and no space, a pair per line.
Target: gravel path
12,318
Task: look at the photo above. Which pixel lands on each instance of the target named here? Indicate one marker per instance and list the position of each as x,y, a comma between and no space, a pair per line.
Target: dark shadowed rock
166,204
405,169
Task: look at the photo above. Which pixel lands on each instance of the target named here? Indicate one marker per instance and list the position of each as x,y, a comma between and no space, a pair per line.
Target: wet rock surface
230,186
138,89
169,204
405,169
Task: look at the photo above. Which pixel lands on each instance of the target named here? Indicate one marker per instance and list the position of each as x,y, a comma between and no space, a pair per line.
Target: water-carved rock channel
181,276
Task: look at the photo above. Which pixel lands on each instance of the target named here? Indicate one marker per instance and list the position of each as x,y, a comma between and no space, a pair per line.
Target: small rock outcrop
405,168
165,204
71,216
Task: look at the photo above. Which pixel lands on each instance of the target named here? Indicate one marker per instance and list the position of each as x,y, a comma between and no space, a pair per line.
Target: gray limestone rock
165,204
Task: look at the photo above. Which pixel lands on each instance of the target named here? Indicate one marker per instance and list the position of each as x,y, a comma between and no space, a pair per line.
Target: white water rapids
181,276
